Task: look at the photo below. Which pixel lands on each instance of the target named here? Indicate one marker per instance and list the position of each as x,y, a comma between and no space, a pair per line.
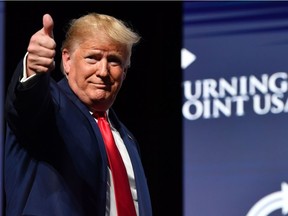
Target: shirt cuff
24,77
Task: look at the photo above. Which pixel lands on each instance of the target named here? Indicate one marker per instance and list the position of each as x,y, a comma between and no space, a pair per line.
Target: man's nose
102,69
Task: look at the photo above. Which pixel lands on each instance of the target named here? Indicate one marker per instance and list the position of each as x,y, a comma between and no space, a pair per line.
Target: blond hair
115,30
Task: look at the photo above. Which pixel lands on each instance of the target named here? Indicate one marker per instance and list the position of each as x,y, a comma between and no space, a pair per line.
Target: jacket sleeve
27,103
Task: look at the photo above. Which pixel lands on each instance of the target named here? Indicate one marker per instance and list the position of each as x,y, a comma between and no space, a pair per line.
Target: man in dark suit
56,161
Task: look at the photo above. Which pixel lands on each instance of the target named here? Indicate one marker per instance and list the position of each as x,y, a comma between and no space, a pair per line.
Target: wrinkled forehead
95,43
100,44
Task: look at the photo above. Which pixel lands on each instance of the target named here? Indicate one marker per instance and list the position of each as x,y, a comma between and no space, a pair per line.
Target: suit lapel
85,111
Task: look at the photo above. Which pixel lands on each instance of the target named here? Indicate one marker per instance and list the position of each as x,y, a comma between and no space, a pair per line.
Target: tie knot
100,115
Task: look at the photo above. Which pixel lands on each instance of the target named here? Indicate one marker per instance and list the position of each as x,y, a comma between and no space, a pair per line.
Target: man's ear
66,61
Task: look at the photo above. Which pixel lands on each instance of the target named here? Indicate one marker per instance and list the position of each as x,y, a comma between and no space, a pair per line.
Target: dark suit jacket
55,160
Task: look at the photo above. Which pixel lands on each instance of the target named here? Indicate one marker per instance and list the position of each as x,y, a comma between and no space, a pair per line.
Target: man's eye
114,61
91,59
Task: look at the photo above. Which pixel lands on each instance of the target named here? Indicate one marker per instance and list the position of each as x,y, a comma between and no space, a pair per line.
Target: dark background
149,102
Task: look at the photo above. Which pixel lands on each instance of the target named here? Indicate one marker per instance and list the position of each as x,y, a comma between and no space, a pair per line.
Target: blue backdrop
235,108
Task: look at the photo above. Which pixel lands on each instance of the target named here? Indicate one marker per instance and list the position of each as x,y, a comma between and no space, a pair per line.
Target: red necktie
123,196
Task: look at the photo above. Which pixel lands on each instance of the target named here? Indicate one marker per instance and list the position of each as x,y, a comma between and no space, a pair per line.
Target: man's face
95,71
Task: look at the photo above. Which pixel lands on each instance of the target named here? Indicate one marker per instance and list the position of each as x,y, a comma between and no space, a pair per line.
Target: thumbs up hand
42,49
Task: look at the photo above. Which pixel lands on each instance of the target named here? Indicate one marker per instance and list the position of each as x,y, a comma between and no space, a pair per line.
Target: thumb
48,25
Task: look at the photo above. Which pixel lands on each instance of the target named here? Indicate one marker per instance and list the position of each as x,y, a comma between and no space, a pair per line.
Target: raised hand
42,49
